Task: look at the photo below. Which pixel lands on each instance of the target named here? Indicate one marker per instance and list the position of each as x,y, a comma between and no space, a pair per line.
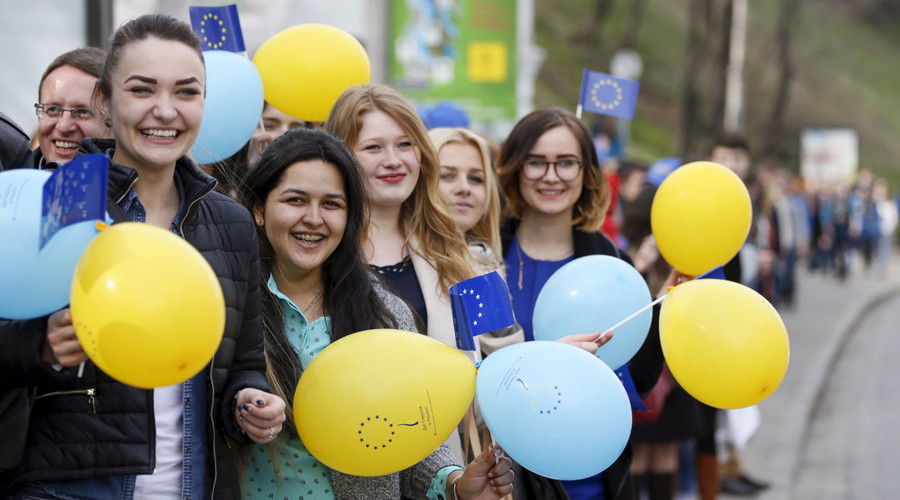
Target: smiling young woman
309,203
549,170
170,441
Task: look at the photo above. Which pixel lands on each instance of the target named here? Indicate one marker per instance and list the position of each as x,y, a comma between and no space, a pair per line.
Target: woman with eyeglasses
549,171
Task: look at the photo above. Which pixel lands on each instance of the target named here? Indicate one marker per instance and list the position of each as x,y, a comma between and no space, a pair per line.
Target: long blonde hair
487,230
424,214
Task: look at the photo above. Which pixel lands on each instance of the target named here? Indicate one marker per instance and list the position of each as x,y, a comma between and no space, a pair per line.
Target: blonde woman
412,241
469,186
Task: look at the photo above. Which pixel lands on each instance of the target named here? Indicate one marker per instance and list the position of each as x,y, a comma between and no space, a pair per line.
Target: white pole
734,83
636,313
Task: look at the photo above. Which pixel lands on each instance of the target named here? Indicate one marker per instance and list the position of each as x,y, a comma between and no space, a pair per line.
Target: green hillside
847,63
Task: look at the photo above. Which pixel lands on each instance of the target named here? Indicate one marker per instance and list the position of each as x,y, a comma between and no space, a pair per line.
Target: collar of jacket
122,178
585,243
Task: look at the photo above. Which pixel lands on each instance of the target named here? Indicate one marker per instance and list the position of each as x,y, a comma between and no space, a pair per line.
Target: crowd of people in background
392,215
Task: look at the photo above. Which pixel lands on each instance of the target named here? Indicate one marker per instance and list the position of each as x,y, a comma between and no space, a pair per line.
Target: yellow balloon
723,342
700,217
379,401
147,307
305,69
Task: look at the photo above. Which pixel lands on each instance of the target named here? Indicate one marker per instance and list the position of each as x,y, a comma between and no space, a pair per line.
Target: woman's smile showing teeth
308,238
153,133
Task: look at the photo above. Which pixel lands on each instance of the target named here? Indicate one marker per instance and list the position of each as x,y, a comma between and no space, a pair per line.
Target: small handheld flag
480,305
75,192
219,28
607,95
633,397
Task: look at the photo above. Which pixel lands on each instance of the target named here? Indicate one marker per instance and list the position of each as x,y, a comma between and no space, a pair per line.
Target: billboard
458,50
829,154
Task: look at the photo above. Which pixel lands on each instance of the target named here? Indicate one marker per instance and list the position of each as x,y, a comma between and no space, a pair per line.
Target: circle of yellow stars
604,83
214,19
552,406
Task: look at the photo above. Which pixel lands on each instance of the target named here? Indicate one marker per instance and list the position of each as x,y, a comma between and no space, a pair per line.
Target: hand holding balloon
62,344
259,414
489,476
590,342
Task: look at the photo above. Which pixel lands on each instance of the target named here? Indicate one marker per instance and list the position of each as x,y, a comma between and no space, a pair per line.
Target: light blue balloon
234,104
554,408
591,294
34,282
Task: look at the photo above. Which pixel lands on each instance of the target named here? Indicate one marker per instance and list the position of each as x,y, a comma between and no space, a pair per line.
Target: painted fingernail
260,402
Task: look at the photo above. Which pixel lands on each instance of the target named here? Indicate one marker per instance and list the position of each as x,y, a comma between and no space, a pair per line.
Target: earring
259,222
107,121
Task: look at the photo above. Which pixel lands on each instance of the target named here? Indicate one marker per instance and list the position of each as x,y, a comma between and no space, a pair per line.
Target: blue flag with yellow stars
480,305
219,28
607,95
75,192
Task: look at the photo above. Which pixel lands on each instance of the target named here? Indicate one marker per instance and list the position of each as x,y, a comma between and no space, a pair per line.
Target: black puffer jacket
14,150
94,426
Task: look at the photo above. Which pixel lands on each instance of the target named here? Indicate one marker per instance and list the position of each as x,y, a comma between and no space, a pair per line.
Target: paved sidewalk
826,311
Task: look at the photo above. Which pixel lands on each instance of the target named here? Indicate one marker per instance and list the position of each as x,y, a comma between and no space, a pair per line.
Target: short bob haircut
487,230
590,209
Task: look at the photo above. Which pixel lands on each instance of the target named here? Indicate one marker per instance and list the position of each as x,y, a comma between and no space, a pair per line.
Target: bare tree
698,15
632,23
598,17
775,128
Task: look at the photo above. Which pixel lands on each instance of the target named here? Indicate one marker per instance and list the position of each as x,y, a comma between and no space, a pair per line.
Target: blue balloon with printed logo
554,408
592,294
233,107
34,281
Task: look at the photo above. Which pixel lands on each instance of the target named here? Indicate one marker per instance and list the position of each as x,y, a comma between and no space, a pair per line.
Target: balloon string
636,314
81,369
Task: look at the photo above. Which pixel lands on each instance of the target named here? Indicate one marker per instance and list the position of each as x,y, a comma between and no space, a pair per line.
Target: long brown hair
424,214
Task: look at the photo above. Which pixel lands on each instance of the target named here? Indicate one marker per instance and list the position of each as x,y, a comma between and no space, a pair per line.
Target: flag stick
578,111
638,312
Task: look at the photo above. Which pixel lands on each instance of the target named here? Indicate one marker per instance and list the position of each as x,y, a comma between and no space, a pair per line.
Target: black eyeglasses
54,112
535,169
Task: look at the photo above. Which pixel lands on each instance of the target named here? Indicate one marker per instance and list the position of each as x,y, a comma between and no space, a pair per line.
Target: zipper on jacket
188,210
90,393
212,430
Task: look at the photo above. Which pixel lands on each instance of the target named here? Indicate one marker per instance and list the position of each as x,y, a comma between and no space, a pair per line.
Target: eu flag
75,192
607,95
480,305
219,28
633,397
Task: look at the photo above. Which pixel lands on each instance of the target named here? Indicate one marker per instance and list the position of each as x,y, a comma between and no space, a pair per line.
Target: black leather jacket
94,426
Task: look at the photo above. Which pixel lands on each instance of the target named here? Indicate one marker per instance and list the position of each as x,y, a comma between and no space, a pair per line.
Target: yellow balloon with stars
379,401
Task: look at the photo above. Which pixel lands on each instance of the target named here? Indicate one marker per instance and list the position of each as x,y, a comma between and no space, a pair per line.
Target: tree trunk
601,11
690,103
775,129
632,24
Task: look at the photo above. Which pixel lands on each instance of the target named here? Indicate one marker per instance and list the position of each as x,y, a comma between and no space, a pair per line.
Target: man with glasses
65,111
